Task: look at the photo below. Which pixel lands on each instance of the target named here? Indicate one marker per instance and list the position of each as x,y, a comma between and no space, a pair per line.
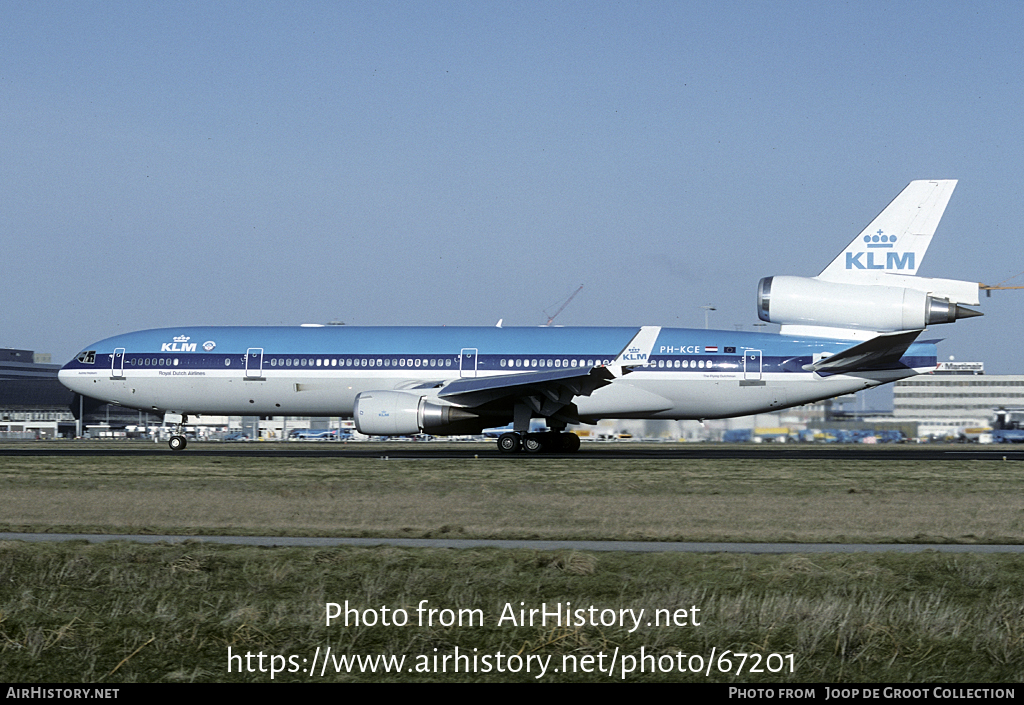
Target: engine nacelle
803,301
391,413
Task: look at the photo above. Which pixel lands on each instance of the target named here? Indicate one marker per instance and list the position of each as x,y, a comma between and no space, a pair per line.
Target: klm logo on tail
895,242
894,261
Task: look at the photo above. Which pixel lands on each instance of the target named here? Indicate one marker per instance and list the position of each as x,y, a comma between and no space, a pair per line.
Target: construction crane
552,316
995,287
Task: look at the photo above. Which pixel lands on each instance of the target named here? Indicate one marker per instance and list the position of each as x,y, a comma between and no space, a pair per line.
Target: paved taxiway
627,546
589,451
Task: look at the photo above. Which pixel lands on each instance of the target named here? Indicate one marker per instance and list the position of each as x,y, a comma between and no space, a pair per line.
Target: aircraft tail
872,287
896,241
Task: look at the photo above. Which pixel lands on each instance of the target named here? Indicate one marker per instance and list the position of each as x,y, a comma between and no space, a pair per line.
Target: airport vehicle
1008,426
853,326
316,434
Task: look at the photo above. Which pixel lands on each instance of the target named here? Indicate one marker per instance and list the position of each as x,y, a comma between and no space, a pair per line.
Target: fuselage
319,371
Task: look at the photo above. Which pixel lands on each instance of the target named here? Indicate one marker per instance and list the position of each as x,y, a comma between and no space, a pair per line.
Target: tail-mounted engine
802,301
391,413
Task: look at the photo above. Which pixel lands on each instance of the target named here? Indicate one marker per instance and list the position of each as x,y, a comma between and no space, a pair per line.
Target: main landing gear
177,442
550,442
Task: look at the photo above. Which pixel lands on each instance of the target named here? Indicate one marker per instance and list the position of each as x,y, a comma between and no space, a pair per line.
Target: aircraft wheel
177,442
532,444
568,442
509,443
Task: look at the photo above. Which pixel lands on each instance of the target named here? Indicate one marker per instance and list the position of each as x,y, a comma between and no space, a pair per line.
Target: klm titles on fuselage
181,344
178,347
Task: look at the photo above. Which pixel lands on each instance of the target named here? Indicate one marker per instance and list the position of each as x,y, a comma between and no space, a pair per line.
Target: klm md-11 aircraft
852,327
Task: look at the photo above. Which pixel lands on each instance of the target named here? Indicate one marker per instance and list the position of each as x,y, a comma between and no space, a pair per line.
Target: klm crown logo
880,239
893,260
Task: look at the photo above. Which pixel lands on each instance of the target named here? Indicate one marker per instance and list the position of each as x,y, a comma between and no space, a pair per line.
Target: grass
658,499
123,612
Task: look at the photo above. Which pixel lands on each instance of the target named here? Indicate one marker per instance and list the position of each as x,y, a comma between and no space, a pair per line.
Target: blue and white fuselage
688,374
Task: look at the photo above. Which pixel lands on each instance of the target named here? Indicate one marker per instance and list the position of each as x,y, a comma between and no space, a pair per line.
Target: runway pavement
478,450
627,546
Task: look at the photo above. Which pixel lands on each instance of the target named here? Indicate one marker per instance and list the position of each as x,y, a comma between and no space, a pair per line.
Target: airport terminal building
956,396
34,404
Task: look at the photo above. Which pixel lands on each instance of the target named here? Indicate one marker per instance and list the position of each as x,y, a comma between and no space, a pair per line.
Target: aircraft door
117,364
467,362
751,364
254,363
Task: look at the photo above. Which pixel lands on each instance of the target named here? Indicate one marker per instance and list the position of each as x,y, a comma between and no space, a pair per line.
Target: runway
477,450
626,546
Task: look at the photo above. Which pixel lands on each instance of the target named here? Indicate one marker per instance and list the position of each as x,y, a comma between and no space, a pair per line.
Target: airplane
853,326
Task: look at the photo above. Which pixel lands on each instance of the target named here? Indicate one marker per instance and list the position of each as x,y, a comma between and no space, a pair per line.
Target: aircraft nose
70,378
64,376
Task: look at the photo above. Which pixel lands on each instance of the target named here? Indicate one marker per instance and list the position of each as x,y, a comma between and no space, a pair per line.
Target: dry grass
736,500
120,612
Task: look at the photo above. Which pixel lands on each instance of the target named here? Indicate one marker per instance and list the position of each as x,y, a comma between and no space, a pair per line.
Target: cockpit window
87,358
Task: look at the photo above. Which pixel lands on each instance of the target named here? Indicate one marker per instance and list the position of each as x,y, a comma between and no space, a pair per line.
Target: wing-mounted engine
400,413
910,303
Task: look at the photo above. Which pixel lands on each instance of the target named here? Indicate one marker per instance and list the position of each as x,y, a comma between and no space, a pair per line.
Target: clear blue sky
455,163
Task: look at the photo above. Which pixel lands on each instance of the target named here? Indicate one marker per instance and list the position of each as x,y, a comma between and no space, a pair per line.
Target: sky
457,163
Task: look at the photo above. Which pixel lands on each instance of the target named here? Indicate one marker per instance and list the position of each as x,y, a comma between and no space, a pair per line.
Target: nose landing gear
178,440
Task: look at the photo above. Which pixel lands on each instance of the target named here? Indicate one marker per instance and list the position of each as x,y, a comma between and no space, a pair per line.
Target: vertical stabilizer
897,239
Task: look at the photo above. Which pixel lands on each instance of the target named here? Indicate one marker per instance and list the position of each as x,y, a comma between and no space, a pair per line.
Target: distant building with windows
32,402
957,395
26,364
957,389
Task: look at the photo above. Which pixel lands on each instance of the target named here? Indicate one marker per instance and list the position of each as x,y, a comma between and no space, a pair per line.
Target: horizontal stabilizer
878,353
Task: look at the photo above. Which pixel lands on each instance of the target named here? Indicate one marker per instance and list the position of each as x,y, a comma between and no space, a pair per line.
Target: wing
551,389
549,393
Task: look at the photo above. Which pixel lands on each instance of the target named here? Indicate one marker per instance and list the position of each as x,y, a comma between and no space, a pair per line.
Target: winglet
637,352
